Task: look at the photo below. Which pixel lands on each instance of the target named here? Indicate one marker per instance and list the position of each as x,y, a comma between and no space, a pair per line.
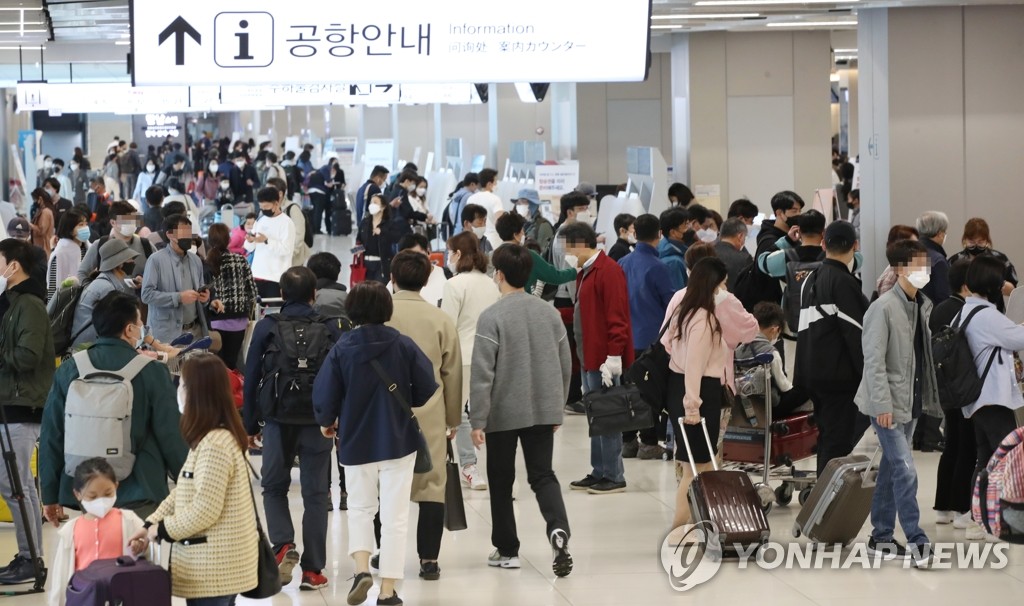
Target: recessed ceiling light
122,42
814,24
679,26
768,2
698,16
844,51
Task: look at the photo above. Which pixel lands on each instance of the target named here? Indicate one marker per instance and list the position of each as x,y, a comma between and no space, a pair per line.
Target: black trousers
788,402
429,530
991,426
231,346
538,443
840,424
267,289
953,487
321,212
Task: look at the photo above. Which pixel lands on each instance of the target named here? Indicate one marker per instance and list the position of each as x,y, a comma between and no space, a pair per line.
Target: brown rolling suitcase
728,500
840,502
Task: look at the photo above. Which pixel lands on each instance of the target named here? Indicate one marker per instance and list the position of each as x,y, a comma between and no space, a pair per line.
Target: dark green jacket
26,350
545,272
160,450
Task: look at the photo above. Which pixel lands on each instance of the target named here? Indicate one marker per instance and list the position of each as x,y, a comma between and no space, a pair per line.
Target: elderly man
731,248
932,225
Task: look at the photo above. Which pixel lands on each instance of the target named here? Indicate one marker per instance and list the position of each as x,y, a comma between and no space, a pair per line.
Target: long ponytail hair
705,277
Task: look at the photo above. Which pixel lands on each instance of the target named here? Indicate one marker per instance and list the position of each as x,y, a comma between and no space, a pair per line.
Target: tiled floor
616,542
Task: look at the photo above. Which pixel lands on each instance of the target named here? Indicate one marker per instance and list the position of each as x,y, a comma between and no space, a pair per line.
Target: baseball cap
840,234
19,228
587,189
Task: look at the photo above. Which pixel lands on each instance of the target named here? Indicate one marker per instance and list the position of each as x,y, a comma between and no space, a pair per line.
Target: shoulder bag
268,577
650,373
423,462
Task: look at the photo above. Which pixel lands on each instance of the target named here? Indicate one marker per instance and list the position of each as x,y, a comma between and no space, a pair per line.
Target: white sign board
555,180
379,152
265,42
310,94
345,148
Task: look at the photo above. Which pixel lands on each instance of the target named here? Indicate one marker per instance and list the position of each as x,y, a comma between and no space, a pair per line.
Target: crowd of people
490,349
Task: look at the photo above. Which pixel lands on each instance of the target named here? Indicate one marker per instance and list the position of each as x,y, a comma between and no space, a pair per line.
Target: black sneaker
575,408
14,562
607,487
393,600
585,483
19,572
343,502
921,555
430,571
375,562
888,550
361,584
562,561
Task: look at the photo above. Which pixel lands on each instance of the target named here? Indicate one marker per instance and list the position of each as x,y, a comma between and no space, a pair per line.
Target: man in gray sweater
520,376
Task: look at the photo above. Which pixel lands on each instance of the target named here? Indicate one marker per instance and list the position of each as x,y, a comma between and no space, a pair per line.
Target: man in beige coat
435,333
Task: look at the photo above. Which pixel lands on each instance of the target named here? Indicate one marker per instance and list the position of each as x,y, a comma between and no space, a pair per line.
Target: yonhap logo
692,556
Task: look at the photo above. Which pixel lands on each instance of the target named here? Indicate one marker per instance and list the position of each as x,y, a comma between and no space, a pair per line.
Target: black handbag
454,507
616,409
423,462
650,373
268,576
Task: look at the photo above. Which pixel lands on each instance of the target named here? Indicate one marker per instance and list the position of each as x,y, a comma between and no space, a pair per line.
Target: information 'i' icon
243,42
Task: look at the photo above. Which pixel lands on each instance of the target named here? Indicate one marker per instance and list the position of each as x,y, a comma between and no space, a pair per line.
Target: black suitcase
341,218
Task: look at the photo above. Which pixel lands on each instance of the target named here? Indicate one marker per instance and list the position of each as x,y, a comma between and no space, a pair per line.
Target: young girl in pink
101,533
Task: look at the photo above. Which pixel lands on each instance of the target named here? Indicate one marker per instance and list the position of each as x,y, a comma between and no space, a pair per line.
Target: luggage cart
779,468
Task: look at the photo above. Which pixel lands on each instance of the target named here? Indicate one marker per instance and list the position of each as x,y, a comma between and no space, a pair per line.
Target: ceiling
98,30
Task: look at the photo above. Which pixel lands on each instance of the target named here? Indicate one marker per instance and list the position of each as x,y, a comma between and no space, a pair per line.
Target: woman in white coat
466,296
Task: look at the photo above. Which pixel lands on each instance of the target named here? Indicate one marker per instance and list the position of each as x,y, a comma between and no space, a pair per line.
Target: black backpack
753,286
955,370
797,272
308,236
297,349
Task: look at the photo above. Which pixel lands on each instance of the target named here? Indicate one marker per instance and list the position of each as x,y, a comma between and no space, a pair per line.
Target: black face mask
267,212
185,244
128,268
974,251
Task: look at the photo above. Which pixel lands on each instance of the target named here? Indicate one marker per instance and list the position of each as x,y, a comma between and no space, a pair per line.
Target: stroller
760,445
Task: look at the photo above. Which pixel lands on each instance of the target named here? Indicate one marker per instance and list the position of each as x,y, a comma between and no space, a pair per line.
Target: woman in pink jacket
700,318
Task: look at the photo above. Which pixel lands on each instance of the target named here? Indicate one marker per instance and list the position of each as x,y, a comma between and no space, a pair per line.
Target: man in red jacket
604,338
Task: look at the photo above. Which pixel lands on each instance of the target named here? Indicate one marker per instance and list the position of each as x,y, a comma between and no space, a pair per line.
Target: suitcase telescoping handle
689,451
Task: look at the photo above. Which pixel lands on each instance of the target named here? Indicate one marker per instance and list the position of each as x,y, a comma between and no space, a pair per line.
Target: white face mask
3,280
572,261
47,164
523,210
374,208
631,238
721,296
214,167
126,229
74,166
99,507
421,191
150,167
49,192
583,217
142,337
919,279
479,231
225,185
181,398
240,165
452,264
707,235
410,188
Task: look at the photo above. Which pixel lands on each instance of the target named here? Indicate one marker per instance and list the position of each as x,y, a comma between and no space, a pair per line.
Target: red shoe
311,581
287,559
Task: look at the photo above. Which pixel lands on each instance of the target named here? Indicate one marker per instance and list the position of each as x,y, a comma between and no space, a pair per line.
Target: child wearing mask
102,532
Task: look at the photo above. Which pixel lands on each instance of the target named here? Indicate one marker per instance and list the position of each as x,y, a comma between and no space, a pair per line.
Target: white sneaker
975,533
473,478
944,517
963,521
496,560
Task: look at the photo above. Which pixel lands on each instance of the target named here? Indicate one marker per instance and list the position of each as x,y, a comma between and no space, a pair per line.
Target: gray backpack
98,415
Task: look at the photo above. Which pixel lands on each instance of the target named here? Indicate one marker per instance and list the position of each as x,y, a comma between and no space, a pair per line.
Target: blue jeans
23,442
605,451
896,488
226,600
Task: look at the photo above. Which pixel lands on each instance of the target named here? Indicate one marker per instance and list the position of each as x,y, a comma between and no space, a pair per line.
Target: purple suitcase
120,582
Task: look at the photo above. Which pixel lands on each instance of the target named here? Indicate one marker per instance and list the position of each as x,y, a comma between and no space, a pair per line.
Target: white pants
395,480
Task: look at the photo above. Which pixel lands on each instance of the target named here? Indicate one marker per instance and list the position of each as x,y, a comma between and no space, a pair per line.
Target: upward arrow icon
179,27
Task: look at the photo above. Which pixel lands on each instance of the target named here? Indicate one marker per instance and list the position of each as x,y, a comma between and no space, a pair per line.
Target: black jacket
768,236
379,245
944,313
620,249
829,354
937,289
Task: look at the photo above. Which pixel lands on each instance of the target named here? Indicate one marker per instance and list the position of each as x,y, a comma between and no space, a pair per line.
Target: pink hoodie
738,327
